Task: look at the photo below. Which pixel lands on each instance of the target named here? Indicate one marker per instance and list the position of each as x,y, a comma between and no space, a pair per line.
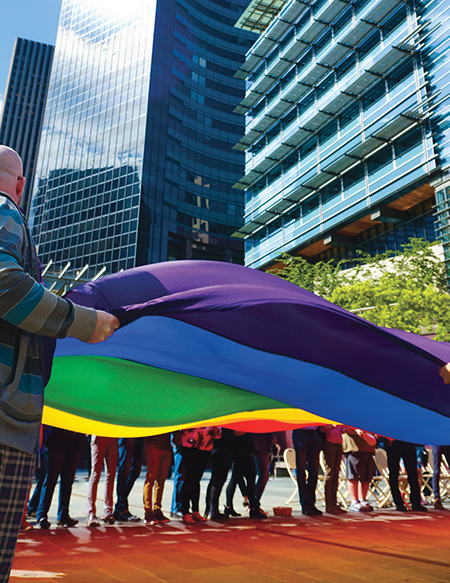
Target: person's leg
186,486
336,472
125,457
68,471
111,457
353,489
231,487
136,467
262,466
163,471
247,465
393,458
16,473
332,454
410,462
178,479
200,458
437,458
152,469
40,475
221,463
55,463
98,448
313,454
363,489
301,452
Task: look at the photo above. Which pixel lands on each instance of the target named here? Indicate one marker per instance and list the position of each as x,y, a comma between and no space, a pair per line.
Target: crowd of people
189,451
246,458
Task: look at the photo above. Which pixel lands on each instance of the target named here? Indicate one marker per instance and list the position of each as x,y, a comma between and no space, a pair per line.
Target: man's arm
27,304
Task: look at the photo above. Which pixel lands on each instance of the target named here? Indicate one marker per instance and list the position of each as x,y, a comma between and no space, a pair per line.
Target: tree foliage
406,290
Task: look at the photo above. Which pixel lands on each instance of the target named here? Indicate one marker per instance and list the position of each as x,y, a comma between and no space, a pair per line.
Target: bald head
11,180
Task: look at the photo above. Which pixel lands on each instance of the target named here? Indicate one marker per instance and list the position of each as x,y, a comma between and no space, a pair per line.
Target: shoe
150,519
419,508
126,516
365,506
313,511
67,522
31,514
187,519
230,511
198,517
92,520
340,510
26,526
108,519
217,516
131,517
257,513
44,524
438,505
160,516
176,515
355,506
120,516
401,509
332,510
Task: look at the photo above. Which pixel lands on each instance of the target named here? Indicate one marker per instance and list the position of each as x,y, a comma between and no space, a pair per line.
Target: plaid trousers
16,472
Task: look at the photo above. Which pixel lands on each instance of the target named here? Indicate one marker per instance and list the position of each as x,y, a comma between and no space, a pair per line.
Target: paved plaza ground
383,546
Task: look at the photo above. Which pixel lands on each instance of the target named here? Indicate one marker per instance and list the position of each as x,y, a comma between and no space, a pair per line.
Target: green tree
406,290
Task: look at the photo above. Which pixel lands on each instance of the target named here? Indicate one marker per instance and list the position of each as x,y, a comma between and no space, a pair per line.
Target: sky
30,19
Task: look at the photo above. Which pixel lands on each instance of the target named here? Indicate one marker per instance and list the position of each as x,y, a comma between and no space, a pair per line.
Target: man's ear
20,186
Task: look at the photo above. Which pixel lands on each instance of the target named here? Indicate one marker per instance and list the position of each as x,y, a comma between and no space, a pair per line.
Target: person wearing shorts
359,448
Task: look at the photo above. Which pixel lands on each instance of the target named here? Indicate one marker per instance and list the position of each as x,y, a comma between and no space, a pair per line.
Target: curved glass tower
136,162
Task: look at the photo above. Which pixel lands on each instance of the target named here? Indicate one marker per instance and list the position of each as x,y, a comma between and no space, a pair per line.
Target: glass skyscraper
347,133
24,104
136,162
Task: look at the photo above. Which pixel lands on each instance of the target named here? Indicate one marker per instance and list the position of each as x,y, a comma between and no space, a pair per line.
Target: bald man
27,313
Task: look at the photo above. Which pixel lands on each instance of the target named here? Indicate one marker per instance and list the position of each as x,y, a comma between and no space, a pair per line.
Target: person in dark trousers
221,460
244,467
307,445
131,453
397,450
63,449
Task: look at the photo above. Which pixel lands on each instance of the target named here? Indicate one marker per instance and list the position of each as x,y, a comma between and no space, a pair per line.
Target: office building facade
346,133
24,104
136,163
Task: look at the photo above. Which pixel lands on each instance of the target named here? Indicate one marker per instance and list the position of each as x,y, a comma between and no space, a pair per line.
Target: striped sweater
27,311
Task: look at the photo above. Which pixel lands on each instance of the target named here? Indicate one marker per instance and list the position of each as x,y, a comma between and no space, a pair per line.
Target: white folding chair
291,466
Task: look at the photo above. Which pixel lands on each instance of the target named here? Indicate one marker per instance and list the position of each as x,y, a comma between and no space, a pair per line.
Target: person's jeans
307,445
60,463
131,452
178,479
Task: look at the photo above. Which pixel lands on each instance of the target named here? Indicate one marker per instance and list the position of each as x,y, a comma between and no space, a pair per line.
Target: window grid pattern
348,142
